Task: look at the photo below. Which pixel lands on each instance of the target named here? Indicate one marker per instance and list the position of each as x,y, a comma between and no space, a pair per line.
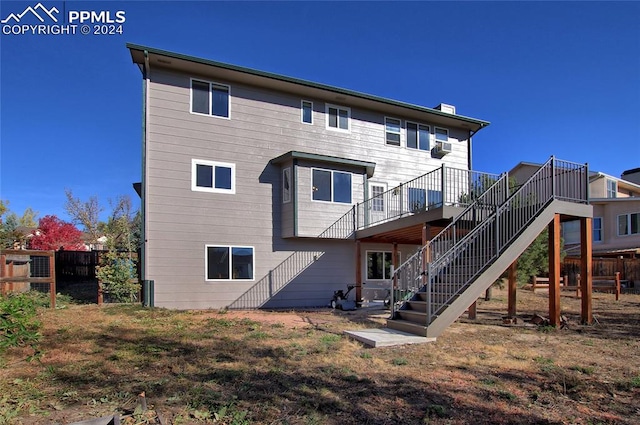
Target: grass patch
243,367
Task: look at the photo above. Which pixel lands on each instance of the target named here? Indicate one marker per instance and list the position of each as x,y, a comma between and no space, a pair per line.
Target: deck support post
358,273
394,261
426,257
586,278
554,271
511,310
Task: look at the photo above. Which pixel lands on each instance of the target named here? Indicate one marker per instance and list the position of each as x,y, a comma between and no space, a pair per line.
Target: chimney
449,109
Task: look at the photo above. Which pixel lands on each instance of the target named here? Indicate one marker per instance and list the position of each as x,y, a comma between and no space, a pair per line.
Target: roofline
607,200
598,175
479,123
368,166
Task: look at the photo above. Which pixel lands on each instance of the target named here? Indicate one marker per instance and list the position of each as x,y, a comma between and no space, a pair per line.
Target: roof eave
472,124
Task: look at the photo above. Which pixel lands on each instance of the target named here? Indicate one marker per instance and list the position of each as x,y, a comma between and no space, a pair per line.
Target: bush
118,276
19,326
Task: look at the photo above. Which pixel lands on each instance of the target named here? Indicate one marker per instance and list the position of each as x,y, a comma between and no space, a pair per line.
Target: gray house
264,191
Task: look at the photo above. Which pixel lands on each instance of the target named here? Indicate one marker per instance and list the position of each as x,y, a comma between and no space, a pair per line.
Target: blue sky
553,78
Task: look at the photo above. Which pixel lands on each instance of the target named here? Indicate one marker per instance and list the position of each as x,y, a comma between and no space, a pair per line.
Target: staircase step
416,305
405,326
414,316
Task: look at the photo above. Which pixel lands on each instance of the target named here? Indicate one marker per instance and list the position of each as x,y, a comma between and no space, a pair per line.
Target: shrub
19,326
118,276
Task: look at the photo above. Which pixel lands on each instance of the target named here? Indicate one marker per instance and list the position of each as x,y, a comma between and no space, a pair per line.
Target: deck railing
451,261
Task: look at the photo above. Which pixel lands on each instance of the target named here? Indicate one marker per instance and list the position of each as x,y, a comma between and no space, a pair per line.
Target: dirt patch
297,367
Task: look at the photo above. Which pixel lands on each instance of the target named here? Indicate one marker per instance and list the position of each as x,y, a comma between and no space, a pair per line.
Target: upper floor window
418,136
229,262
392,131
331,186
286,185
442,135
597,229
210,176
629,224
307,112
612,189
210,98
338,117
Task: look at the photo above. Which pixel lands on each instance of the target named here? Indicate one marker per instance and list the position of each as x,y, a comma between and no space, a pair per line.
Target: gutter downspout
143,189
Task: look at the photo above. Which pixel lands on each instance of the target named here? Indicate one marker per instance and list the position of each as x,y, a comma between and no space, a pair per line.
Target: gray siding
263,125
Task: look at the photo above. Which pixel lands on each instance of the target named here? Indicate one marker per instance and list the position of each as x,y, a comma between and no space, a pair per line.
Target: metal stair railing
411,276
457,261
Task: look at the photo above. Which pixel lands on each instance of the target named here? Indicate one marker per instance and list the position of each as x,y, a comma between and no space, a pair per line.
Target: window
570,231
377,203
307,112
210,98
338,117
612,189
286,185
379,265
597,229
392,131
229,262
331,186
210,176
418,136
629,224
417,199
442,135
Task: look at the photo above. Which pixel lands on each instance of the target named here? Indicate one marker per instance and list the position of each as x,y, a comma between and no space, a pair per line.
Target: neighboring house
245,170
99,245
616,214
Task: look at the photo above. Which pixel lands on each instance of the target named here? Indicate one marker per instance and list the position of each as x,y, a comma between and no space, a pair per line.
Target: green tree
534,261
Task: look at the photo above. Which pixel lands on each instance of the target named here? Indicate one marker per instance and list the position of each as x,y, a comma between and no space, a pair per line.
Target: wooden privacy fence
20,268
629,269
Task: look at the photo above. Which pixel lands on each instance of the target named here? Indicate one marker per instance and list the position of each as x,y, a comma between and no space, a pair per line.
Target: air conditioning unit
441,149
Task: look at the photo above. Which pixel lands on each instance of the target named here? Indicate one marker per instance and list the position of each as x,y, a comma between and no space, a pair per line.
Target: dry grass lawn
298,368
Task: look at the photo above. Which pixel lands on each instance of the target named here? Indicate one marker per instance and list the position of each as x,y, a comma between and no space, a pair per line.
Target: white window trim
302,102
628,215
366,264
231,279
399,133
435,134
210,114
418,125
195,188
332,201
284,171
326,110
601,230
615,188
370,196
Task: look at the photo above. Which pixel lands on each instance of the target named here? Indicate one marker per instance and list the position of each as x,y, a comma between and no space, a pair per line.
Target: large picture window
331,186
229,262
210,98
211,176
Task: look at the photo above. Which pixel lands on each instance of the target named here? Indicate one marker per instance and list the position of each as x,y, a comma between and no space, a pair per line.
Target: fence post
52,275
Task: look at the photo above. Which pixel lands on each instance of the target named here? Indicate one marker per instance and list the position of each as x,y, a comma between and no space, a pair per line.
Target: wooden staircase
449,273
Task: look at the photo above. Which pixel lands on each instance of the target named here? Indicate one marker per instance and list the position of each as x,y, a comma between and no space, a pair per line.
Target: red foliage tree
55,234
